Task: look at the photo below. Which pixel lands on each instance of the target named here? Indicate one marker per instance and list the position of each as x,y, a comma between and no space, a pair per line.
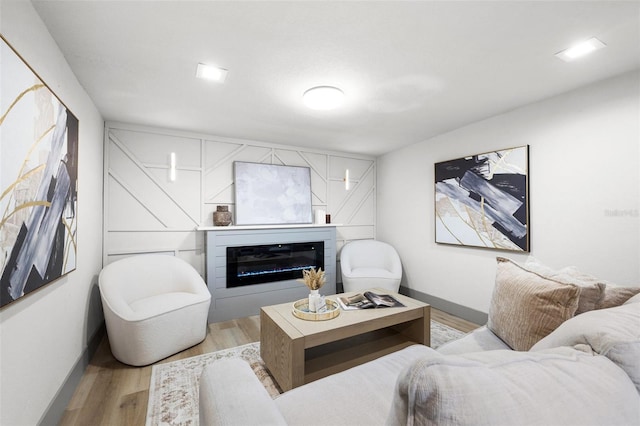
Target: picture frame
272,194
482,200
38,181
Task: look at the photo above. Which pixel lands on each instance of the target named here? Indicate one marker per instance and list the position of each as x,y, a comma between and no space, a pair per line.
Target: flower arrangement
314,279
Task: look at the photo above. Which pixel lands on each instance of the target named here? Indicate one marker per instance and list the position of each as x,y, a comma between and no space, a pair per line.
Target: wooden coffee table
297,351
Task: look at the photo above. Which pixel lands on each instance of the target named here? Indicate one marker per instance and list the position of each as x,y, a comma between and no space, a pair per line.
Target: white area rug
173,393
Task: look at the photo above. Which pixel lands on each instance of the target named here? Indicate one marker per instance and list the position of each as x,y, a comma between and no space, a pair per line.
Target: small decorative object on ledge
222,216
321,217
314,279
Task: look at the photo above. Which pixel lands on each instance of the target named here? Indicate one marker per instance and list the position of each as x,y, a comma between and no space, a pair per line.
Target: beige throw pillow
612,294
616,296
525,306
591,290
594,292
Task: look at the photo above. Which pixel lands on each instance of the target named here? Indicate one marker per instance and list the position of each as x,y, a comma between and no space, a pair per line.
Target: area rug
173,393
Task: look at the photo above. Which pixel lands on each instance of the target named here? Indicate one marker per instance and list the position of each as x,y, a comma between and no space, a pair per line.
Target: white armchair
154,306
367,264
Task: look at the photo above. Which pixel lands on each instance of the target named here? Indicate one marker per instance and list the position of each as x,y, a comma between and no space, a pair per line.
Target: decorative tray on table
301,310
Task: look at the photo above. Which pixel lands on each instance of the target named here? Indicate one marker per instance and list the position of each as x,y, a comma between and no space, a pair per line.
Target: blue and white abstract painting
482,200
38,181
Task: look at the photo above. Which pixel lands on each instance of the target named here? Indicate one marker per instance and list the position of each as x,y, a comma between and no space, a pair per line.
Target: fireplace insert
247,265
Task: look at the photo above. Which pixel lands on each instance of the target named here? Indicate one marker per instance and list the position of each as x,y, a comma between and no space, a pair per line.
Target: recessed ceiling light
580,49
323,97
210,72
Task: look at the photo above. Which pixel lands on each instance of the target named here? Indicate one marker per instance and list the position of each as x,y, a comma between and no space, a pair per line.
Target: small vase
222,216
314,297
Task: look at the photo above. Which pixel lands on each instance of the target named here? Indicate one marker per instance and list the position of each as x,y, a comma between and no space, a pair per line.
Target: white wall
44,334
584,192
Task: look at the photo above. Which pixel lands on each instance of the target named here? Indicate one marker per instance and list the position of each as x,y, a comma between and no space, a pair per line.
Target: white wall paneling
147,213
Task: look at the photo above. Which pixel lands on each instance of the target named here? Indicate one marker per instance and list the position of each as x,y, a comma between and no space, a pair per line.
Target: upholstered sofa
576,361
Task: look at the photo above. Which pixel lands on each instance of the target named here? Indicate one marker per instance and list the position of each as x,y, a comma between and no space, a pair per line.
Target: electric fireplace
255,264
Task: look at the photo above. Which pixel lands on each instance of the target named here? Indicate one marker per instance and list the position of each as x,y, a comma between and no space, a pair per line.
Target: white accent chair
366,264
154,306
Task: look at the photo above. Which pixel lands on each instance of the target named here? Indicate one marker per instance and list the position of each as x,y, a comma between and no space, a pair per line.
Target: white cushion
231,394
163,303
372,272
634,299
561,386
361,395
480,339
612,332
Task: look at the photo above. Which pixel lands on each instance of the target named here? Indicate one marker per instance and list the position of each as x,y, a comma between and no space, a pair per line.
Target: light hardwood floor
111,393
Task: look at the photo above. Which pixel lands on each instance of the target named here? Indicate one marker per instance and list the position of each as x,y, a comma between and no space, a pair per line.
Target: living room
584,192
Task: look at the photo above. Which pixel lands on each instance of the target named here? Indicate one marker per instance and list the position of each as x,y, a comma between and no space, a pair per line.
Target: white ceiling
411,70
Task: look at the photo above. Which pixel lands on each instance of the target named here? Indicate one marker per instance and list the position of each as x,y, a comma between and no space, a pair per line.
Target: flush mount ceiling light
581,49
323,97
210,72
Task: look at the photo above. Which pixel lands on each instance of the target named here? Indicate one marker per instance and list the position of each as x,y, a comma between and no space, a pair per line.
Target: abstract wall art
272,194
482,200
38,181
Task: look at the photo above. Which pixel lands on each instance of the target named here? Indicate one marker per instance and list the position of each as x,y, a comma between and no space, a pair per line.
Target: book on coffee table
368,300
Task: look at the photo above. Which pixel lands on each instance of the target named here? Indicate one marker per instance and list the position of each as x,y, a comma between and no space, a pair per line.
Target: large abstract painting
272,194
38,181
482,200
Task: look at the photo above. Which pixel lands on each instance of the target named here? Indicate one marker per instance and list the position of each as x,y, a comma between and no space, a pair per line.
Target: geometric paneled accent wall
145,212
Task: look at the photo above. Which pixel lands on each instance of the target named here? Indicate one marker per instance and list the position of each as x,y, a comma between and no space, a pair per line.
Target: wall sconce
347,184
172,167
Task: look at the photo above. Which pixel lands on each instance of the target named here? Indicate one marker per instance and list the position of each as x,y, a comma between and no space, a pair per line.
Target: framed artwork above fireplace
483,200
272,194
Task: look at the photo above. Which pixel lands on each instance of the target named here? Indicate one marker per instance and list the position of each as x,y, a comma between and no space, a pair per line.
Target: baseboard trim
460,311
59,404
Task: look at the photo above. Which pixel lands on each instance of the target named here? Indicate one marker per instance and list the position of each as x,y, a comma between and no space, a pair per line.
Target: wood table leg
418,330
282,353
